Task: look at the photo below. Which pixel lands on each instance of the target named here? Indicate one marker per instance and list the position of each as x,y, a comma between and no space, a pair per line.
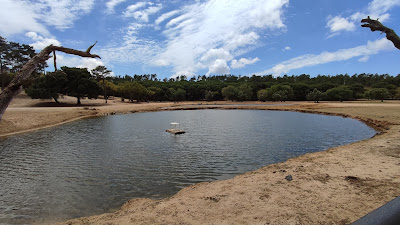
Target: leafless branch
90,48
375,25
14,88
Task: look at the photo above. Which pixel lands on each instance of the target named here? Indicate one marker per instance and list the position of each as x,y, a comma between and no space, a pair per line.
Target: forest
81,83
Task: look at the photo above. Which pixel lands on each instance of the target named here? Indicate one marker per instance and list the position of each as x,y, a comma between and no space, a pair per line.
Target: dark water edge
94,165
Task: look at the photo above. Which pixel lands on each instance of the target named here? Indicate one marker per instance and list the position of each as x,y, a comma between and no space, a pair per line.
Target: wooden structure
175,129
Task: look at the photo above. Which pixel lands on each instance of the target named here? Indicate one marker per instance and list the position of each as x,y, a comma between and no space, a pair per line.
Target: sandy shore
336,186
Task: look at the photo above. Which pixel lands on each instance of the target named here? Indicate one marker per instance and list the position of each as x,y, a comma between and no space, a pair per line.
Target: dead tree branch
90,48
375,25
14,88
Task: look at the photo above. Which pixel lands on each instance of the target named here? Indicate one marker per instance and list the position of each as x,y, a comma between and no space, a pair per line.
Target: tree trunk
79,100
1,74
14,88
6,96
56,100
105,91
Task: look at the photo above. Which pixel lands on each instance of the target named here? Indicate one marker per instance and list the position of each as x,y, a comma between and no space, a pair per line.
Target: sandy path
336,186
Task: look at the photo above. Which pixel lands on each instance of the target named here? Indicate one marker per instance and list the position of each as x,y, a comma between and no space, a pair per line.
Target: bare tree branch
15,86
375,25
90,48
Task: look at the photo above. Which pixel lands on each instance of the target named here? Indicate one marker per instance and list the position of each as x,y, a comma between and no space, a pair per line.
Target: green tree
158,93
133,91
170,94
101,72
279,93
48,86
379,93
3,63
18,55
358,90
323,86
367,93
315,95
381,84
80,83
262,95
300,90
245,92
397,93
212,95
278,96
392,90
179,95
12,57
230,93
111,88
341,93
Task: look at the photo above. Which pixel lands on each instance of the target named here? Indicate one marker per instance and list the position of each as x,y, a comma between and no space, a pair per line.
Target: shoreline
379,126
335,186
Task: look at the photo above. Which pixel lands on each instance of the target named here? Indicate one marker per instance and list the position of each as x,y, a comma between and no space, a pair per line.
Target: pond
93,166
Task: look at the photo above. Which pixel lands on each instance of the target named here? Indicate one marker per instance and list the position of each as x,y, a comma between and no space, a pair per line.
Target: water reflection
93,166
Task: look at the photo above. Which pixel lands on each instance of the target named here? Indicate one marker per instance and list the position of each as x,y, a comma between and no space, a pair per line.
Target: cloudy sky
197,37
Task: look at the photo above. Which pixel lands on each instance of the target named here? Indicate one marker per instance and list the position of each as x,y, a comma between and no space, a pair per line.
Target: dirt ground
336,186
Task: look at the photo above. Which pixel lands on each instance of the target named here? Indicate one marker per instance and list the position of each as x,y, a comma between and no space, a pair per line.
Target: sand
336,186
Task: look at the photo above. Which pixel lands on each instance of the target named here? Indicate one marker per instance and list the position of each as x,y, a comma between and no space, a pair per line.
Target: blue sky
240,37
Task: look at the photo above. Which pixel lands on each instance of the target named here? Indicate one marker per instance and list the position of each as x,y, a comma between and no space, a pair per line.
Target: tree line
12,57
82,83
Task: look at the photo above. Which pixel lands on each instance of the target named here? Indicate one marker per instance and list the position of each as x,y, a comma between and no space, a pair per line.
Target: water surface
93,166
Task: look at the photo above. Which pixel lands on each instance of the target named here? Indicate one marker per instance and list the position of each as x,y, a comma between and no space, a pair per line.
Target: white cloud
337,23
19,16
161,62
112,4
198,36
132,11
62,13
229,25
176,20
379,7
236,64
287,48
242,40
133,29
376,9
364,58
371,48
132,50
219,67
74,61
132,8
166,16
89,63
213,54
41,42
